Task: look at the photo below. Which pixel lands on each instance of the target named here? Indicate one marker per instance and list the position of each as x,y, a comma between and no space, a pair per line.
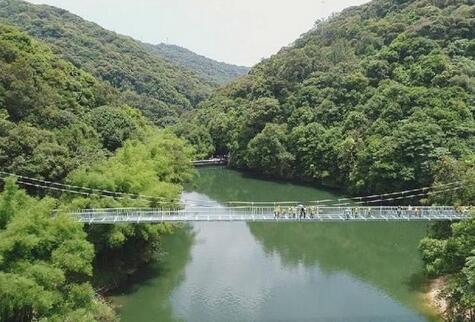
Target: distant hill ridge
157,86
208,69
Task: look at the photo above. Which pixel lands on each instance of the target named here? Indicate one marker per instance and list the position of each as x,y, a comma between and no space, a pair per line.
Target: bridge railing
251,213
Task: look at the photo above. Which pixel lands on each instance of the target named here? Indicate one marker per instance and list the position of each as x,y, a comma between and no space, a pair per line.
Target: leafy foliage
160,89
53,116
450,249
45,264
373,99
115,125
58,122
155,166
208,69
454,254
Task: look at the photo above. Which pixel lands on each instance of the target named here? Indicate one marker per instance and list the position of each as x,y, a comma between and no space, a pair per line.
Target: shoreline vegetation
59,269
60,124
378,98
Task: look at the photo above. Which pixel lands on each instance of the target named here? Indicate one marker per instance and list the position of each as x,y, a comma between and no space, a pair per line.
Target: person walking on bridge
399,211
418,212
347,213
277,212
292,213
301,210
312,212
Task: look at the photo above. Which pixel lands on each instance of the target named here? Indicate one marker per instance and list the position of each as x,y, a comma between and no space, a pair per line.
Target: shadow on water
148,285
280,262
382,254
222,184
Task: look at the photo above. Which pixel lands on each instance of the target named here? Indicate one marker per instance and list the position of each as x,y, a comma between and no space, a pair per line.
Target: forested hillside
145,80
60,123
378,98
208,69
373,99
50,111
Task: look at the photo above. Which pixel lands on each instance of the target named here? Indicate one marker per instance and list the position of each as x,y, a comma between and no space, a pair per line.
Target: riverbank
433,296
110,280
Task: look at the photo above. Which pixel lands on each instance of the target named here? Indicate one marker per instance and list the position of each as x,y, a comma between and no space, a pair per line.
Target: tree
267,151
198,137
115,125
154,167
454,255
45,264
373,99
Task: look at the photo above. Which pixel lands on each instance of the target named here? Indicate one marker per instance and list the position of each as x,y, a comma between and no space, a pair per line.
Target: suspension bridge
363,208
268,214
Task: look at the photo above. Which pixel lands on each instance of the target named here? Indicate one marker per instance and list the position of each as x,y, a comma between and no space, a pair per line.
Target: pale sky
234,31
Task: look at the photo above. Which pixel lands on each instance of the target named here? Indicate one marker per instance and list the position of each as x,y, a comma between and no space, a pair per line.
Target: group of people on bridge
293,212
309,212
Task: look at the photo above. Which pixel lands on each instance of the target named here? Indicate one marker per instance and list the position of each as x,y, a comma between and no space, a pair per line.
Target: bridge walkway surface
268,214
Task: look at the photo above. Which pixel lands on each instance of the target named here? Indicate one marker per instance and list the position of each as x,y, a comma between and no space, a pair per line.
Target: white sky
234,31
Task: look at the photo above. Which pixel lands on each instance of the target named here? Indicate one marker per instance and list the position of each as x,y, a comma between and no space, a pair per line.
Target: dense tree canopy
58,122
45,263
373,99
208,69
162,90
155,166
449,249
44,102
55,117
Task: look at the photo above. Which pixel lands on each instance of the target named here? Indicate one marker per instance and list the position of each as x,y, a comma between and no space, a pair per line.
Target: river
279,271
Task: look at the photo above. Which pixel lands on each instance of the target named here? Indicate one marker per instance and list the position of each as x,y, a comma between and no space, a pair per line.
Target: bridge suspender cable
87,191
403,192
120,195
380,198
399,198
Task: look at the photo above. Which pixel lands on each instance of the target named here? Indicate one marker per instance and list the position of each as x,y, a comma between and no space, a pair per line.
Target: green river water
279,271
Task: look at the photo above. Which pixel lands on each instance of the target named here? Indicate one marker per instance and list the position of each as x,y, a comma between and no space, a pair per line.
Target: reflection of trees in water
216,182
147,297
382,254
223,184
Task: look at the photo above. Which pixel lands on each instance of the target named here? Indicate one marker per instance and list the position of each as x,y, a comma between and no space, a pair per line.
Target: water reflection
281,272
232,278
221,184
381,254
148,297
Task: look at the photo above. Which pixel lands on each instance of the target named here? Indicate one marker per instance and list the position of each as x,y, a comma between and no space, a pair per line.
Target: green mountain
54,117
60,123
377,98
160,89
208,69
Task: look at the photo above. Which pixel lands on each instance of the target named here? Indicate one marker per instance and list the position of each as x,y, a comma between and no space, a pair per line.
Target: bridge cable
122,195
382,197
401,197
68,187
36,185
